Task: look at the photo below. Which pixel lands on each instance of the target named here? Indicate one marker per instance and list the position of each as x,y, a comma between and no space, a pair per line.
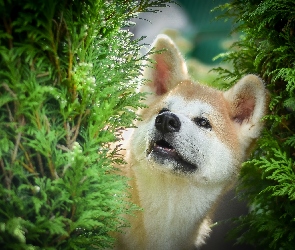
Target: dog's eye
163,110
203,122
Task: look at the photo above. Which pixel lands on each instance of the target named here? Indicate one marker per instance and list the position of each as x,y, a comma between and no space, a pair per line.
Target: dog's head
191,129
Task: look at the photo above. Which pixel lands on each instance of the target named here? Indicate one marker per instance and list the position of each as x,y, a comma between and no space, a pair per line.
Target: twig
28,168
77,128
43,74
67,128
6,177
17,141
31,167
52,169
62,147
8,28
6,87
11,119
39,159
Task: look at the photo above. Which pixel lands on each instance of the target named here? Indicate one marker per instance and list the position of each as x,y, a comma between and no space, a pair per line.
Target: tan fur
179,169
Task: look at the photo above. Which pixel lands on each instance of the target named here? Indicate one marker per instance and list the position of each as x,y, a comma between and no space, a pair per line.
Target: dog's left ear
248,101
168,69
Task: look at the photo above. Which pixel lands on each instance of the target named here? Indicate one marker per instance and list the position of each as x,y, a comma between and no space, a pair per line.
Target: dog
186,151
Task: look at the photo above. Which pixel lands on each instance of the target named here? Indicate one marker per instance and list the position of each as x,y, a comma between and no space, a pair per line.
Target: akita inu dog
186,151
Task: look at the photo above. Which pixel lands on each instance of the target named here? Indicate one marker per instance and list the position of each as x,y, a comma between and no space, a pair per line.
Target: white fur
168,226
215,161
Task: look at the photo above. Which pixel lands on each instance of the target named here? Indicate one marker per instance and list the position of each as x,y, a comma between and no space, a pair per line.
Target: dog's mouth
161,150
164,147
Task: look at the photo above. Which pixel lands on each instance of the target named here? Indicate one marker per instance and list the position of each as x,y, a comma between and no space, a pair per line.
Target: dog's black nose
167,122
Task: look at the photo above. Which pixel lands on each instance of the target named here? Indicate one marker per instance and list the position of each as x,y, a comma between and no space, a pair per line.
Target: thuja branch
17,143
8,27
76,129
29,167
7,177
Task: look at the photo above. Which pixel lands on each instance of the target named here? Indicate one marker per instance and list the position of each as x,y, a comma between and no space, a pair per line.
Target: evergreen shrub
267,182
68,70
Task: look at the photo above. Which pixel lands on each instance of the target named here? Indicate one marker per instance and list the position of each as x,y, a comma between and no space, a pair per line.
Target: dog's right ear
168,68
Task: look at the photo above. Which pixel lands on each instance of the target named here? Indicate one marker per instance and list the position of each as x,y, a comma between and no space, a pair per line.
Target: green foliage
68,71
267,48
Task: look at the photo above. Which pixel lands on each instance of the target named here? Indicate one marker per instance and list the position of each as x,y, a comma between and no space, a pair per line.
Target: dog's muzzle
162,147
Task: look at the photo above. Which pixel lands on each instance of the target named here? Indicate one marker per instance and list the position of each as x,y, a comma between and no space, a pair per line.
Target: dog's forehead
197,98
179,104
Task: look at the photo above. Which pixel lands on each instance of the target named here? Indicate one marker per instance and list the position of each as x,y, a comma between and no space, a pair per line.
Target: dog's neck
177,215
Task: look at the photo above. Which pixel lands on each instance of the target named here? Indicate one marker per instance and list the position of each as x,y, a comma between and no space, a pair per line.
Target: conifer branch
8,28
7,178
67,129
42,74
267,179
6,87
38,119
62,86
40,164
10,117
59,27
51,166
29,167
54,43
17,140
77,129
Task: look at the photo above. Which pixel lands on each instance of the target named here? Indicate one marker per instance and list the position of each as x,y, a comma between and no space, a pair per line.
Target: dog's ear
248,101
168,68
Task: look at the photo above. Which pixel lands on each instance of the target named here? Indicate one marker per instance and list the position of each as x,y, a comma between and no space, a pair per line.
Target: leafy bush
267,48
68,71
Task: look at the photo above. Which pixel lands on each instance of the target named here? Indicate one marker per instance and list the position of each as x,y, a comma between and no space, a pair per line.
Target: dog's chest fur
167,204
